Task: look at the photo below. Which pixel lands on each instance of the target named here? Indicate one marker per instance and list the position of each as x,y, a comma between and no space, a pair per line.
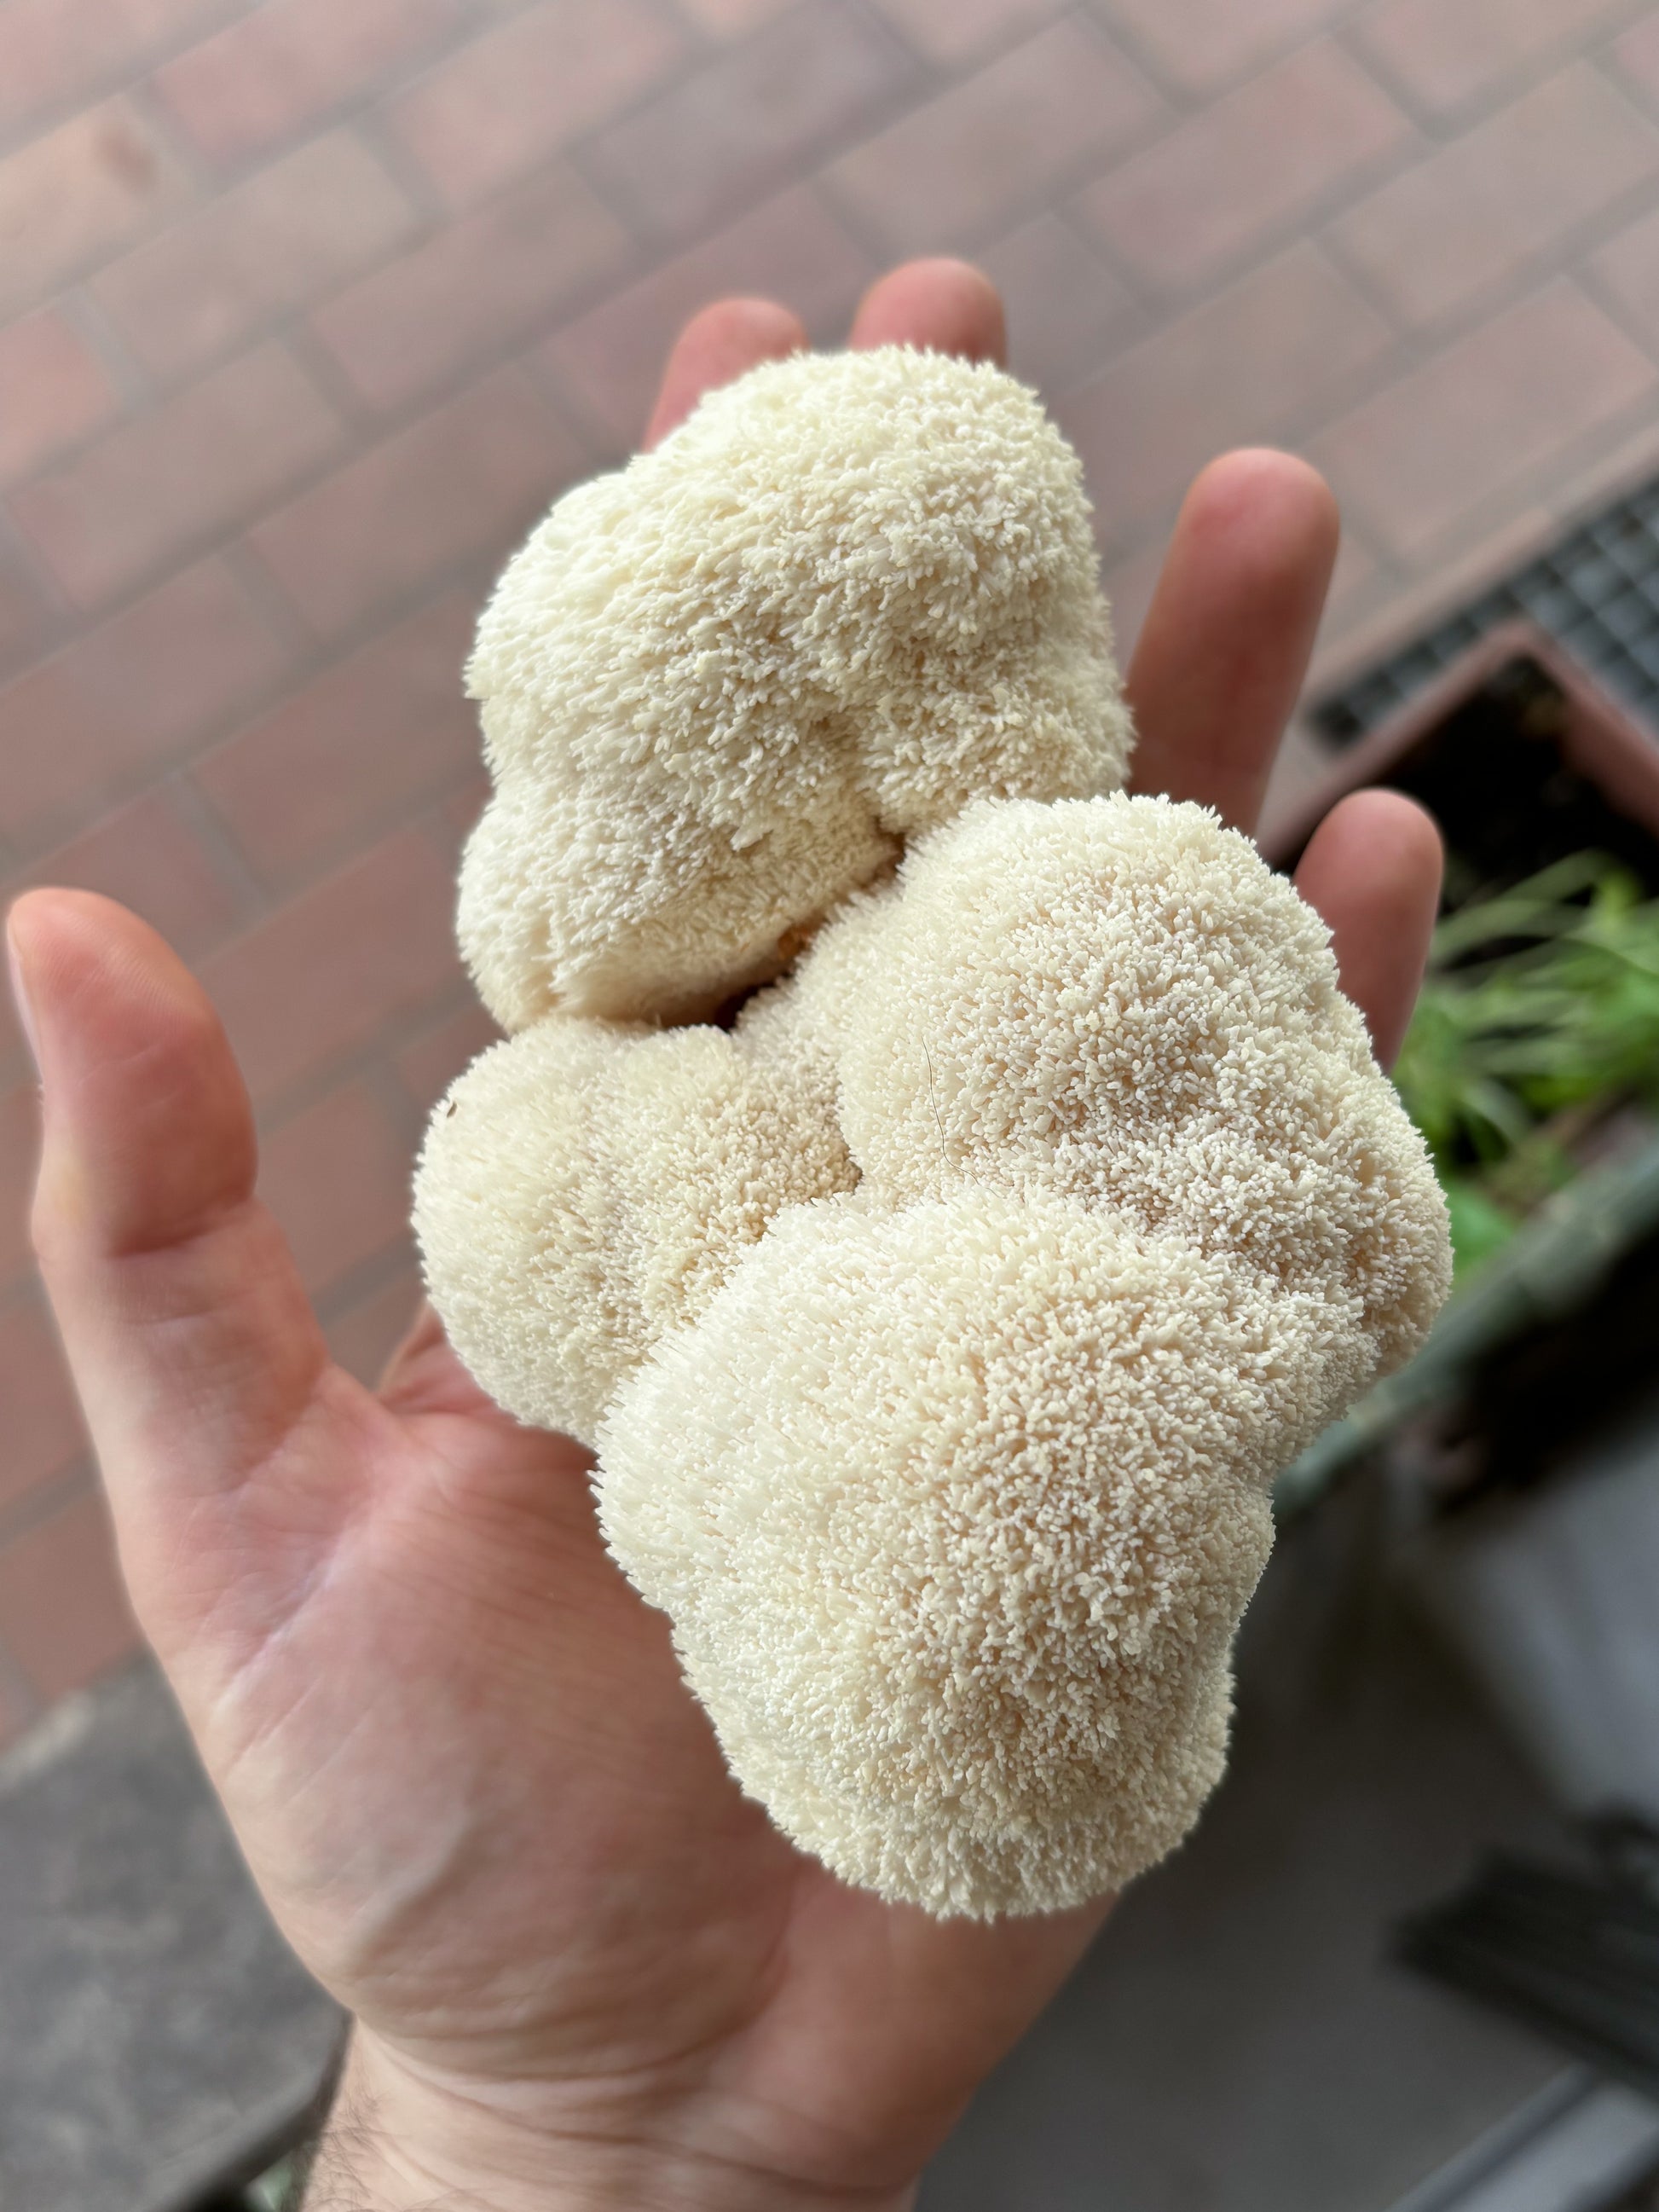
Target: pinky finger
1372,871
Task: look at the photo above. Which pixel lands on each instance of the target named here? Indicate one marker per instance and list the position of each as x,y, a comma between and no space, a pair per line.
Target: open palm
454,1742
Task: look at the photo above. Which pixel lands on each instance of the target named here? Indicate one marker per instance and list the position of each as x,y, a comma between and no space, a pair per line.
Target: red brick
465,294
53,392
752,120
949,31
269,78
336,1176
57,54
1200,46
792,249
1067,315
155,861
1474,423
970,161
1442,54
44,1434
1258,162
323,975
462,482
27,617
1627,267
290,234
1500,197
201,461
147,687
431,1062
1638,55
1245,366
63,1612
731,19
71,199
352,753
20,1143
504,104
364,1336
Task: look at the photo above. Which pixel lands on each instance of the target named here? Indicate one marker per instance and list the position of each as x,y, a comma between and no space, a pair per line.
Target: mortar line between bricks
392,1036
1308,224
361,1060
203,544
41,122
669,80
1064,186
42,1500
369,1276
1153,303
253,902
133,381
1645,103
1601,294
1566,257
370,423
357,109
61,825
942,83
295,331
887,108
1545,486
159,120
369,121
1128,40
570,148
703,41
965,67
937,77
362,1280
221,543
375,424
319,658
1443,127
63,619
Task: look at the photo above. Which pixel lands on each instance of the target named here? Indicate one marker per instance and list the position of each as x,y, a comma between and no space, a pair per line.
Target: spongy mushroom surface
942,1321
720,687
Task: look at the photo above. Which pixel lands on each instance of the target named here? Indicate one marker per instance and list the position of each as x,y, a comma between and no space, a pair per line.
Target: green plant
1539,1014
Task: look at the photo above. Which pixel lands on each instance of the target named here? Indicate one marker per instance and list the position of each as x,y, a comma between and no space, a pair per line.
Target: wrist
397,2140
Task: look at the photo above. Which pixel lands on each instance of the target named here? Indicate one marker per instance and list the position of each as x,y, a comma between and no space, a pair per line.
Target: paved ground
312,306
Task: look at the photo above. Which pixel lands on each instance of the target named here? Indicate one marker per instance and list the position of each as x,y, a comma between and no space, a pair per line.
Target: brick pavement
306,308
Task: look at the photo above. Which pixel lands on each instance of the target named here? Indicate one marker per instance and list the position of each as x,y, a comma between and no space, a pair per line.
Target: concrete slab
156,2034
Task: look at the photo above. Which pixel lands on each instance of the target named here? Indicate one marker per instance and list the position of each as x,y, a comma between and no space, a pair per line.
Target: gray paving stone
156,2034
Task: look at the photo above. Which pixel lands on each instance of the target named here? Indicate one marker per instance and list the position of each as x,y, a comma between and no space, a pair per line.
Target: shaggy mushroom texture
720,688
942,1324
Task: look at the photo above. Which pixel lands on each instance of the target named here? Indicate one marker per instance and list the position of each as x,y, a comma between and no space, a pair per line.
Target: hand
452,1742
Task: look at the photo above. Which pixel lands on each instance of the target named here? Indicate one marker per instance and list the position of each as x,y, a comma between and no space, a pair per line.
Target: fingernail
19,994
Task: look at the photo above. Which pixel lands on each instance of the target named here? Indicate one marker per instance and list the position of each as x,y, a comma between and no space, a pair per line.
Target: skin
452,1742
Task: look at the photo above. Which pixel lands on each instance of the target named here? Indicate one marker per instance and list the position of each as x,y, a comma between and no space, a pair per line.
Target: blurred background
310,308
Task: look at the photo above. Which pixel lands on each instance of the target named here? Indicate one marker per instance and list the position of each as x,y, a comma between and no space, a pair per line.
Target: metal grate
1596,592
